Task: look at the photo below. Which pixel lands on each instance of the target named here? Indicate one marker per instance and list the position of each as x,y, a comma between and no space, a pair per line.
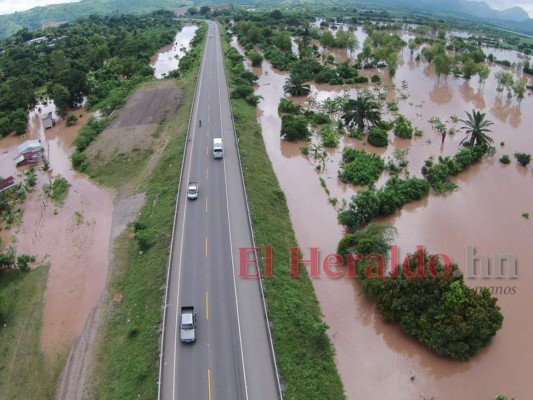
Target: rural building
30,151
48,120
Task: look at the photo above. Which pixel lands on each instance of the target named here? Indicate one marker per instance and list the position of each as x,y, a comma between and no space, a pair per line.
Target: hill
58,13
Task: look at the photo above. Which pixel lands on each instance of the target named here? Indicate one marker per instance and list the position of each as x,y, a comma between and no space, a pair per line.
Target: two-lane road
232,357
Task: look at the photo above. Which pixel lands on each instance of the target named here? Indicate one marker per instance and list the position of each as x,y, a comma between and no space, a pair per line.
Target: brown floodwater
375,359
167,58
73,238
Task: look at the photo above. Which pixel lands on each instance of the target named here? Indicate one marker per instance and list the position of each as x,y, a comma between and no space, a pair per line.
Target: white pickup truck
188,325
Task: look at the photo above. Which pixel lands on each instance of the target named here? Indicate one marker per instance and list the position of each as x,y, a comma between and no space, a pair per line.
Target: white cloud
10,6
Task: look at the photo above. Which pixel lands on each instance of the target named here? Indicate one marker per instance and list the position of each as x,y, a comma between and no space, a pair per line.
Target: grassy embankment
128,348
304,353
25,373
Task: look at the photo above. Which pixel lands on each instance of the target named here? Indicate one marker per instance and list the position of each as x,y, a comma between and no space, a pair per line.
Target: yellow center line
206,246
206,306
206,204
209,384
206,173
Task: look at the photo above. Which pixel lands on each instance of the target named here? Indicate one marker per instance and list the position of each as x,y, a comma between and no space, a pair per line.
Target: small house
48,120
30,151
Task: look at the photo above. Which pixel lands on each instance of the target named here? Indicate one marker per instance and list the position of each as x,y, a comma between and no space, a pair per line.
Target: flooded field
73,238
376,360
168,57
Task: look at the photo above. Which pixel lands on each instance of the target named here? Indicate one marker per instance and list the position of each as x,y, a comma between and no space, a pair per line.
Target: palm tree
362,110
476,129
295,85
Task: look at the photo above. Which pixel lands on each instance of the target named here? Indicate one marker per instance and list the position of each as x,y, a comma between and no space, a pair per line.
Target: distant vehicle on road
192,190
188,325
218,148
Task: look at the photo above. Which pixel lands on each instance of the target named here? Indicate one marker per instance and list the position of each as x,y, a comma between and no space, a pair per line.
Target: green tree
61,97
476,129
256,58
327,39
296,86
282,41
443,65
204,10
362,111
76,83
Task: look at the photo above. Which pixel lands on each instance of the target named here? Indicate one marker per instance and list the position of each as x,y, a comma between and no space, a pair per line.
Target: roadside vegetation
299,332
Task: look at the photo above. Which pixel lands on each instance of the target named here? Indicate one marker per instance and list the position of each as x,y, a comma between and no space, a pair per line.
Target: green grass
128,347
25,373
121,168
303,350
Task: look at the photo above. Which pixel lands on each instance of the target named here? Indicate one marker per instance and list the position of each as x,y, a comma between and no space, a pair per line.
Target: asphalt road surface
232,357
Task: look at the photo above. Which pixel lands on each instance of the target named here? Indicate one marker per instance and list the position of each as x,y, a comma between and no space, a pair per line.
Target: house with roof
48,120
30,151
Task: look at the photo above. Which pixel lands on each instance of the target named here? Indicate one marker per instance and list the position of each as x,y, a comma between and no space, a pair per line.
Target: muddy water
73,238
167,58
376,360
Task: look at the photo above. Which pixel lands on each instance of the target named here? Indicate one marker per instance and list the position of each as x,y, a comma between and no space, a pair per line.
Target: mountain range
472,8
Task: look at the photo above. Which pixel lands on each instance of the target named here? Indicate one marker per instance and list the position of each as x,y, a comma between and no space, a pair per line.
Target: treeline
90,57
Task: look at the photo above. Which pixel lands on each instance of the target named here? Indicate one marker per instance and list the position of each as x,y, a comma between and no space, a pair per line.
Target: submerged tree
476,129
362,111
295,85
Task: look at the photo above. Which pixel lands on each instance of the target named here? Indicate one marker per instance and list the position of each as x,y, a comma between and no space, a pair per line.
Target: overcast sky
10,6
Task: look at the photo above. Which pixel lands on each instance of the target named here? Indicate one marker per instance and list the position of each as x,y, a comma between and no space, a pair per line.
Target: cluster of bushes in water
372,203
359,167
438,173
427,296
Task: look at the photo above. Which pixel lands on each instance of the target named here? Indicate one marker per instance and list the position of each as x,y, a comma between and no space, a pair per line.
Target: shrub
505,159
294,128
360,79
372,203
145,239
330,137
71,120
523,158
392,106
375,78
403,127
360,167
288,107
378,137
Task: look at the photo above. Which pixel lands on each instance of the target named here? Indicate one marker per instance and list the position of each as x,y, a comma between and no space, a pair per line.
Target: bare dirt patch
136,123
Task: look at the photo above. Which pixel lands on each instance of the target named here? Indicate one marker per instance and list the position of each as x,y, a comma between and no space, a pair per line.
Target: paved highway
232,357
